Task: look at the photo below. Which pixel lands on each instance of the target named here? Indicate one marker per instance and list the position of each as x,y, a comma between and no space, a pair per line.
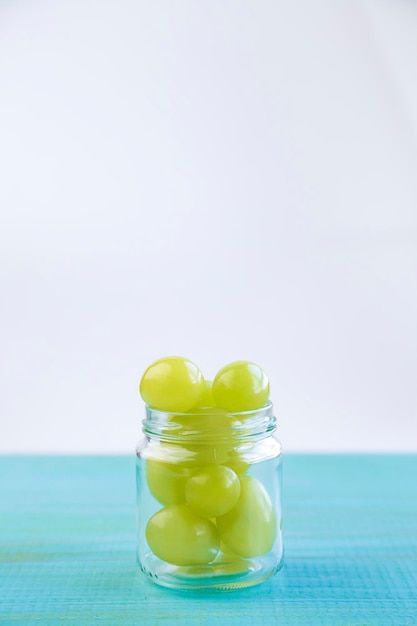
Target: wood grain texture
67,547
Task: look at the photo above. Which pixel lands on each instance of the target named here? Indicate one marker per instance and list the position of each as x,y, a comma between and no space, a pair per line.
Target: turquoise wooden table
67,547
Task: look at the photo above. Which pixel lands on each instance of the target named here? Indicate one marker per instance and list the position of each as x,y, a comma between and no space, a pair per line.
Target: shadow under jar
209,498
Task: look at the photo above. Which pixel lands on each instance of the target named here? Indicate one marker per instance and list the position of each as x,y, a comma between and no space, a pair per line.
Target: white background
222,180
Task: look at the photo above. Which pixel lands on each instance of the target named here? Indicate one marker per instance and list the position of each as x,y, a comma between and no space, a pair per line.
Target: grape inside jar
208,477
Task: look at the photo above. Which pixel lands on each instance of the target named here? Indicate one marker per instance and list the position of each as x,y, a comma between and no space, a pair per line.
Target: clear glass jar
209,498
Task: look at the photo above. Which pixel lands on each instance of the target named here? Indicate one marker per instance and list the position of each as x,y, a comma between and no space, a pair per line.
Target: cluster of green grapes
210,505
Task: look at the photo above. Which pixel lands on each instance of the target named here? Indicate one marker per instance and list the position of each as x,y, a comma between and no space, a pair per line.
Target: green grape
166,481
212,490
241,386
249,529
172,384
207,397
177,535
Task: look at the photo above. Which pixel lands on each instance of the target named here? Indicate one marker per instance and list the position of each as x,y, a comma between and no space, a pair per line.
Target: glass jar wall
209,498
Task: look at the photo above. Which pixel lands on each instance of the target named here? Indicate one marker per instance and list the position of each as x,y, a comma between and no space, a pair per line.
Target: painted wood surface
67,547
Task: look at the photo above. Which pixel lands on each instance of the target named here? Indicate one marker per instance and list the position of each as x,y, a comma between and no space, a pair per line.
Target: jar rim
243,425
265,407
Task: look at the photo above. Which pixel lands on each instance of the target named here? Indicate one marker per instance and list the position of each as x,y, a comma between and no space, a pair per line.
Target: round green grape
166,481
212,490
249,529
172,384
241,386
177,535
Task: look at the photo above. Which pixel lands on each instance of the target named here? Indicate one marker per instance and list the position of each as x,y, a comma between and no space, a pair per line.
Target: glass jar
209,498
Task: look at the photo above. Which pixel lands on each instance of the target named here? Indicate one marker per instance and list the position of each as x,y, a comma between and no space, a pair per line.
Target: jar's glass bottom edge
256,572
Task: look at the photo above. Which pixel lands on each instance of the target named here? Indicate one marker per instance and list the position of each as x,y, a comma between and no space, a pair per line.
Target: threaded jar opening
209,424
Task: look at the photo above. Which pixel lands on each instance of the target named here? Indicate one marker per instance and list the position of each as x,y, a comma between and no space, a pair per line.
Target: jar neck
209,424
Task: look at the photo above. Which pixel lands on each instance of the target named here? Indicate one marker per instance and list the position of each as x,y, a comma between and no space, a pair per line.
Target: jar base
224,574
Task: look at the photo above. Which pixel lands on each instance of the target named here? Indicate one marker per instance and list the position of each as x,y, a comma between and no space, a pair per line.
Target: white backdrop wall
221,180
